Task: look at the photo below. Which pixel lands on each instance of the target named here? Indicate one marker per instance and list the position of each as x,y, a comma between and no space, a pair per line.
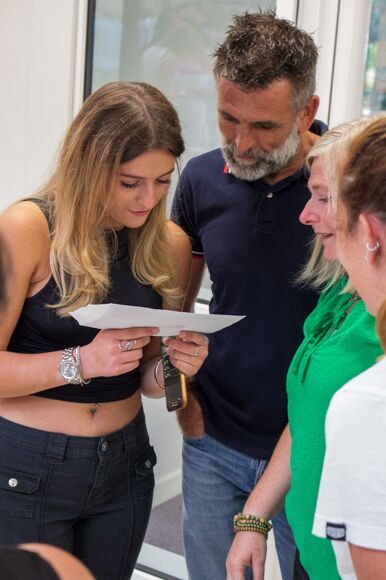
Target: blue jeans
89,495
216,484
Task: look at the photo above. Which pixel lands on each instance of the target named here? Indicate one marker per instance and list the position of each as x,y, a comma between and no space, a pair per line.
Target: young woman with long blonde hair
76,466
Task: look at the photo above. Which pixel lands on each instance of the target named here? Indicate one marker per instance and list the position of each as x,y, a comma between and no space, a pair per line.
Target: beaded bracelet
161,386
248,523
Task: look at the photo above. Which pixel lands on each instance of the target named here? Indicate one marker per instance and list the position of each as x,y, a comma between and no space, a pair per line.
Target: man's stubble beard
266,164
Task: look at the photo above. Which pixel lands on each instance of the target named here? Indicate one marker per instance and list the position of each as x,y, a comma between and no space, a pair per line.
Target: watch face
68,370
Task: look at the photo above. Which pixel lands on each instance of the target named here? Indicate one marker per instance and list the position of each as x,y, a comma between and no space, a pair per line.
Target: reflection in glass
374,94
169,44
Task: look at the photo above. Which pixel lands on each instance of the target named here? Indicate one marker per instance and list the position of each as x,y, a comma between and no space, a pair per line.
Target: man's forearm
191,419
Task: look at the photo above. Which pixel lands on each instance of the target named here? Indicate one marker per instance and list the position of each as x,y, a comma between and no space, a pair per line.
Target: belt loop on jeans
56,447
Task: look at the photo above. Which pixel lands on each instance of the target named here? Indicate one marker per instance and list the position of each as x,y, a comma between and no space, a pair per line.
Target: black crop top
40,329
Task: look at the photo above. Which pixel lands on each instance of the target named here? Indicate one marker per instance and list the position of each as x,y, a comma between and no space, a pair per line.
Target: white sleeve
352,494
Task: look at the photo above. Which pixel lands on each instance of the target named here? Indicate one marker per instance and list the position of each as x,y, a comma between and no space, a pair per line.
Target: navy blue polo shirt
254,245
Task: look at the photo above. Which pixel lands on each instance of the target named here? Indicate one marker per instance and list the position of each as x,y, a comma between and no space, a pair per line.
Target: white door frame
320,18
341,30
350,61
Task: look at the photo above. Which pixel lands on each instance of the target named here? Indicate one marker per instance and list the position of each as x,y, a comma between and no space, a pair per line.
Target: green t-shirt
339,343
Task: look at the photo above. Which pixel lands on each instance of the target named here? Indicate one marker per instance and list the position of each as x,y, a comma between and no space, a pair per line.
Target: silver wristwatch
70,368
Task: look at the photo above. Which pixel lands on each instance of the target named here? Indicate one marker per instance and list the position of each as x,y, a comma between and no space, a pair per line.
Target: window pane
374,94
169,44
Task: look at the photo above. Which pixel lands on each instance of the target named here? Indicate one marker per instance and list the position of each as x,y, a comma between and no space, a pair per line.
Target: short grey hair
261,49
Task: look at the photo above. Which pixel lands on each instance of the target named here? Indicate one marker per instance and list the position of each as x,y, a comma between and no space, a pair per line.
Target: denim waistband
57,445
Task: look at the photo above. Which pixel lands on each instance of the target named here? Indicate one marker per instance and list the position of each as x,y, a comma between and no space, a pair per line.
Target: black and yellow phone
176,388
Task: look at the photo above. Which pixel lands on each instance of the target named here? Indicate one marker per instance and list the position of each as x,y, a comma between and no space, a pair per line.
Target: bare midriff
77,419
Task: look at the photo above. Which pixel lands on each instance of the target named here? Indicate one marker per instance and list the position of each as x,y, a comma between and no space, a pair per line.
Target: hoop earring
371,249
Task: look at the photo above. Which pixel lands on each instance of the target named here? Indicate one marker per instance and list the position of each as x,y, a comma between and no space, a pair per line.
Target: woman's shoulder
357,410
24,230
25,215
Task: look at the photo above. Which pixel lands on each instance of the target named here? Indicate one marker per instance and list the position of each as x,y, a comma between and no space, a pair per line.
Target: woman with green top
351,507
339,342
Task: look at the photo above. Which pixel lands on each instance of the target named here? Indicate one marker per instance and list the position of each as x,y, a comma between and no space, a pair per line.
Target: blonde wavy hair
118,122
331,149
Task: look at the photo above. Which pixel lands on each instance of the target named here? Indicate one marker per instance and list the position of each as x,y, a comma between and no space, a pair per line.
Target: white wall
37,67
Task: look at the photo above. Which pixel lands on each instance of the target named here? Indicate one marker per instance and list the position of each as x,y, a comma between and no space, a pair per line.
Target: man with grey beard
240,206
261,163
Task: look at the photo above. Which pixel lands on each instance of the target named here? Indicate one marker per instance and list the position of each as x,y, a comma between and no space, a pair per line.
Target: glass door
168,43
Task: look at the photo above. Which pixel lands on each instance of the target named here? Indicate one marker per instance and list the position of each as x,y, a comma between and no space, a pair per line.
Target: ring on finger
196,352
126,345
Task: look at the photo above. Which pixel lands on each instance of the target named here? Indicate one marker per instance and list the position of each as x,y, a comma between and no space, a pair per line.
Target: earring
371,249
